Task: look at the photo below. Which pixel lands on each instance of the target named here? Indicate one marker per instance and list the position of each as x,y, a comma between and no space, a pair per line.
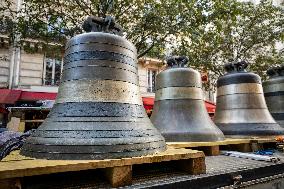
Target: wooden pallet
213,148
118,172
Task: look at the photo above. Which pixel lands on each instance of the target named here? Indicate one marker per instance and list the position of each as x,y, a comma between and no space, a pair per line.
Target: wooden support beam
12,183
193,166
119,176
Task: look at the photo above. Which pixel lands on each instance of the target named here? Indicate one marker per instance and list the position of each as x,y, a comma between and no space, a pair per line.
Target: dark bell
179,110
274,93
98,112
241,109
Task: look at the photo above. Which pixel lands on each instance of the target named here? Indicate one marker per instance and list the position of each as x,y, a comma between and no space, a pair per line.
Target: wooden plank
227,141
211,150
199,144
13,169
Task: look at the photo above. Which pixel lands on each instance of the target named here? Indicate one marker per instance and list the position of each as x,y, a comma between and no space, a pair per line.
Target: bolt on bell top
98,113
241,110
274,93
179,110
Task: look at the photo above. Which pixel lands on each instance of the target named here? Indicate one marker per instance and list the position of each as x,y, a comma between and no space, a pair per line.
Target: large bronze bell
98,112
179,110
274,93
241,109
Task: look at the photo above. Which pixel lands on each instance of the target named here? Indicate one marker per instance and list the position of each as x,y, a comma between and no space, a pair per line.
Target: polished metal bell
241,110
274,93
179,110
98,112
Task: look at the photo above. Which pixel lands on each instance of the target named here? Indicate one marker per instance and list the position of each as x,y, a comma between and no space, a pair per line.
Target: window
52,71
151,80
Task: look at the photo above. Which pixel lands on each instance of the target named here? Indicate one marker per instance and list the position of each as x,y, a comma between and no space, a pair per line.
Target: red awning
148,103
210,106
8,96
33,96
3,110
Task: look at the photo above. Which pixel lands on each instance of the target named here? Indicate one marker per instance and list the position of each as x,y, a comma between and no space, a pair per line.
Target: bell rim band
244,116
99,73
84,90
96,126
241,88
97,109
171,93
87,156
249,101
255,129
99,55
100,47
101,38
100,63
87,134
97,119
94,141
95,149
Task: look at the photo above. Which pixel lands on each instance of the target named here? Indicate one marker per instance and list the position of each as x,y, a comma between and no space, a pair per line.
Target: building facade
37,72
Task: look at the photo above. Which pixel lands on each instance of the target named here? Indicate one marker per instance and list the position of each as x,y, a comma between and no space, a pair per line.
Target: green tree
236,31
147,23
210,32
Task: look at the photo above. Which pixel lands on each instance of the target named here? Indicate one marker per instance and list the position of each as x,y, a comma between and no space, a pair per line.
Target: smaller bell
241,110
179,110
274,93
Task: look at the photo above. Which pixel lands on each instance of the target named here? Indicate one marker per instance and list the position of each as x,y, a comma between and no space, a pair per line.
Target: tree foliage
210,32
236,31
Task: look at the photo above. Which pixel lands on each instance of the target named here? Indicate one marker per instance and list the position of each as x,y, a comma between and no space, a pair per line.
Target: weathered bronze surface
179,110
98,112
274,93
241,109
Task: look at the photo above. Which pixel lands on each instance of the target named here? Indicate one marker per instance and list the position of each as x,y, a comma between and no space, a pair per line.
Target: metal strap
179,93
239,89
99,91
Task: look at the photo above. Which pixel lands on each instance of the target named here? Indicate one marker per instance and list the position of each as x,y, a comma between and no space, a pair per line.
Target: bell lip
238,78
90,156
123,42
251,129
